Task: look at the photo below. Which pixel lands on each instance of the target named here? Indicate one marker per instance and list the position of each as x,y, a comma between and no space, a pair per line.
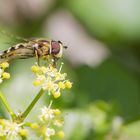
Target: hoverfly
39,48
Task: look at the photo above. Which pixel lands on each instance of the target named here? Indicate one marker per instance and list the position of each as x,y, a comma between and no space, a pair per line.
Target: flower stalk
7,106
32,104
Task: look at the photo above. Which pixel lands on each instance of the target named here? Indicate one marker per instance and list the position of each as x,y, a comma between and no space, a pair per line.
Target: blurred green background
103,61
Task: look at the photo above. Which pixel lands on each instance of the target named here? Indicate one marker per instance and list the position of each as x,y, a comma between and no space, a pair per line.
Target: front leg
54,61
37,57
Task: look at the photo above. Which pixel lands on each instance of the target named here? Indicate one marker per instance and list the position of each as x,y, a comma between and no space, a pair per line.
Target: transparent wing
8,38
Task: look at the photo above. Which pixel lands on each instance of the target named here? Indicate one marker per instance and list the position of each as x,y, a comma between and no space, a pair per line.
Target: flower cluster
3,74
50,120
51,79
11,130
50,124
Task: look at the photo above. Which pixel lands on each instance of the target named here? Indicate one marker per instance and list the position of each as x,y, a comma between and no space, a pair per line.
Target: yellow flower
51,79
51,121
47,114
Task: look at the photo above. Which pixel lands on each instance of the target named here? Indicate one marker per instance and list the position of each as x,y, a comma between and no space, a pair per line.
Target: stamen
50,104
61,67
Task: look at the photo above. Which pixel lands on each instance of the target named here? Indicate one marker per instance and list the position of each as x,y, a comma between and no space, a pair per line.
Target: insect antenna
65,47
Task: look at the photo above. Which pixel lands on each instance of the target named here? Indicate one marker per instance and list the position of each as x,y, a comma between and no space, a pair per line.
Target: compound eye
55,47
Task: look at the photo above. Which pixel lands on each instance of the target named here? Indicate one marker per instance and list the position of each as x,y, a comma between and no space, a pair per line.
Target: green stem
32,104
7,106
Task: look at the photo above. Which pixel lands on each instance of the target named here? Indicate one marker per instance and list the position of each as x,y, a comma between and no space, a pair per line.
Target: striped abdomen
22,51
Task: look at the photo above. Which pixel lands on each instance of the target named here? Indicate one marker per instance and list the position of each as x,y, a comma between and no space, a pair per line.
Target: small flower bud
23,132
36,83
34,125
61,134
35,69
50,85
61,85
68,84
43,69
56,94
6,75
57,112
4,65
42,130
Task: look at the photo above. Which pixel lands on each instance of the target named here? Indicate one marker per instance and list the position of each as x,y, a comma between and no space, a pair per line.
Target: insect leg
54,61
37,57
